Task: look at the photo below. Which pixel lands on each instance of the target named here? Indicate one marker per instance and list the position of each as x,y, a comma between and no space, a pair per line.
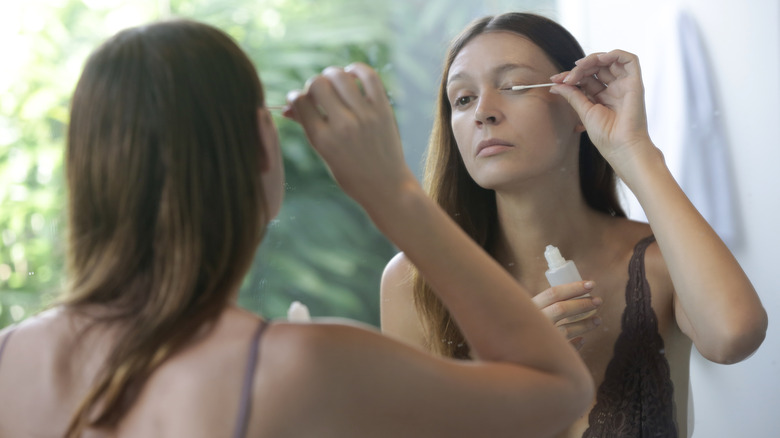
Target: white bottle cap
298,312
553,256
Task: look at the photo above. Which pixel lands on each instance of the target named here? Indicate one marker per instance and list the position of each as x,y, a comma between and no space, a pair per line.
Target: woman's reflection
522,170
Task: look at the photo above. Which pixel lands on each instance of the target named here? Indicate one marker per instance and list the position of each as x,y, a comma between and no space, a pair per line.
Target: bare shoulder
43,337
47,361
312,351
346,381
655,268
622,236
397,277
197,391
313,371
399,317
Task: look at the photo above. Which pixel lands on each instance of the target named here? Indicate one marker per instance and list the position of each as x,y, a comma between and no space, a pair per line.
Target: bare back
49,363
337,380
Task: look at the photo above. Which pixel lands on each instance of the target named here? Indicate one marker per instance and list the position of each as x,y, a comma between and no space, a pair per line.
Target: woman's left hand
606,91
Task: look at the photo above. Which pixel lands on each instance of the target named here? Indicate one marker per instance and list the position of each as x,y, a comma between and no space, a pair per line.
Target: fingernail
292,95
597,301
588,284
597,321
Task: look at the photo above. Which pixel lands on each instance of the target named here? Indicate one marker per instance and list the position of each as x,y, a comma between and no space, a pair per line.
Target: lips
492,146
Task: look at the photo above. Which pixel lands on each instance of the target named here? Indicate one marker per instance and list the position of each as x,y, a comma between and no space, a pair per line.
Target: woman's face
507,138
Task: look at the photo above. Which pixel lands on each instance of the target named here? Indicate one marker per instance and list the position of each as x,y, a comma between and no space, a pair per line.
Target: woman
520,170
173,173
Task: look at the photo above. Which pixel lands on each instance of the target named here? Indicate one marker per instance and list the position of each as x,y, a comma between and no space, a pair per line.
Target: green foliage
322,250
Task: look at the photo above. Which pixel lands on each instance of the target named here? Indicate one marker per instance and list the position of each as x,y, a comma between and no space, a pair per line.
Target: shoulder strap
638,290
245,404
636,397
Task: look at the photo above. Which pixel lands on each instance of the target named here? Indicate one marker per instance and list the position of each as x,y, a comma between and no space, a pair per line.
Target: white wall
743,44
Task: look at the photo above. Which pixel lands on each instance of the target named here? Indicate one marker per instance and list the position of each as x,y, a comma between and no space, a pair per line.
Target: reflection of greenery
322,250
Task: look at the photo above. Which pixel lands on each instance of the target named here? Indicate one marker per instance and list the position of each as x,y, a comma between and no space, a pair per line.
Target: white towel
685,123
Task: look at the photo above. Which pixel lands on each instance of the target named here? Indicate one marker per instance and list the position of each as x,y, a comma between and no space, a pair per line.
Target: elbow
583,391
738,342
587,393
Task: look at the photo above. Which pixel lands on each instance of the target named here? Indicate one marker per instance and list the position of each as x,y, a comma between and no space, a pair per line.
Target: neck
530,221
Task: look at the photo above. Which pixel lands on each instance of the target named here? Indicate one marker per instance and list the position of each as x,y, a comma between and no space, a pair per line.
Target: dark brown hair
473,207
165,203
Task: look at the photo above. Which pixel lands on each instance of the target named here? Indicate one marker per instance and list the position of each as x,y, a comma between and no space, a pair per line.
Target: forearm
495,314
717,297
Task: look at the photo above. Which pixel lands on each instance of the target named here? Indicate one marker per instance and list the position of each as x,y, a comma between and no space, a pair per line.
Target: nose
488,111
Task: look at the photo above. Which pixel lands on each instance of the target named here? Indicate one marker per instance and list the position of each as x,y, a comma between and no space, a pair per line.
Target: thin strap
636,398
5,341
245,403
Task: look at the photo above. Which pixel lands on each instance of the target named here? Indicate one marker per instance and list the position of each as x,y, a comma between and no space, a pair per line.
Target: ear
271,166
269,140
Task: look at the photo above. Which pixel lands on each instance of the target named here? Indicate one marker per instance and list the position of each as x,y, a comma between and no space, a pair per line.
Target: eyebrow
497,71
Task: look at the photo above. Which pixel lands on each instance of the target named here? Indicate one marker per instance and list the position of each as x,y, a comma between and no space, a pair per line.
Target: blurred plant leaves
322,250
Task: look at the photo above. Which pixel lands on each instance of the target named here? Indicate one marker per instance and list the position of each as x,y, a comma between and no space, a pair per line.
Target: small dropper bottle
560,271
563,271
298,312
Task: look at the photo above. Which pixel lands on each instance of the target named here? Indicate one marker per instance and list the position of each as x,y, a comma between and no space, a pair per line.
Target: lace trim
636,398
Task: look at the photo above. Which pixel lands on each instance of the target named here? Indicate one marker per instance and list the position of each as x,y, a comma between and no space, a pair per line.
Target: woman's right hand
571,312
349,121
609,99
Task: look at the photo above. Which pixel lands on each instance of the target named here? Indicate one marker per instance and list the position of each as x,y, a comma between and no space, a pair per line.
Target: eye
508,87
461,101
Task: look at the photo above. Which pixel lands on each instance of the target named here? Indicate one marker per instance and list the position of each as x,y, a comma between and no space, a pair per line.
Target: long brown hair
166,207
474,208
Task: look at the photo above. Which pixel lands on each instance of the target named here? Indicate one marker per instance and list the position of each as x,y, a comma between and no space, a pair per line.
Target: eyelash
457,101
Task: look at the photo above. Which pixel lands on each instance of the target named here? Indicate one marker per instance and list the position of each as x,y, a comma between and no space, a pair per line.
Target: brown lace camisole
635,398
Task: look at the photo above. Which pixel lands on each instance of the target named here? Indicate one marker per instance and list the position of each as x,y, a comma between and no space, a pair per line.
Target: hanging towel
685,123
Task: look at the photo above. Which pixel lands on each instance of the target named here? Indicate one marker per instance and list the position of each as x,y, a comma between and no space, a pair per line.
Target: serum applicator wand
523,87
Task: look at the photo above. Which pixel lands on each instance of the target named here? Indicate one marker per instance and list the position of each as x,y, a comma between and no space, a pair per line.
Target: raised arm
525,368
715,303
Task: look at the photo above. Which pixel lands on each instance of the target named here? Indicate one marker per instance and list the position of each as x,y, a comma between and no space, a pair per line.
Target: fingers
338,96
591,85
372,84
564,312
620,62
563,292
575,330
332,93
303,109
348,120
576,98
569,308
350,89
345,86
604,67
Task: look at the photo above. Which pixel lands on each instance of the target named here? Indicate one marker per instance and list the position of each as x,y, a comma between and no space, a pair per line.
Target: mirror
322,250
